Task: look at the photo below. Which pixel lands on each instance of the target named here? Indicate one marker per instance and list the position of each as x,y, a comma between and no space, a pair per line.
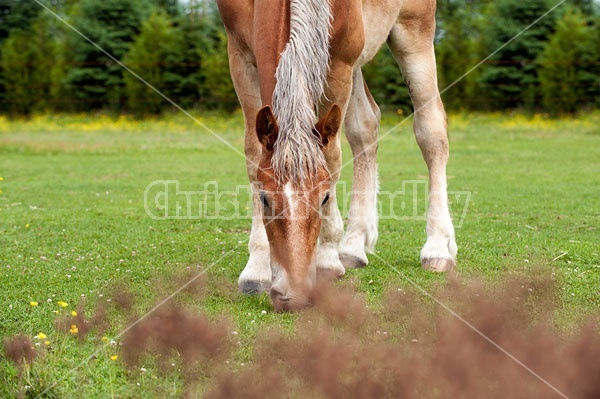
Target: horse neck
271,35
300,82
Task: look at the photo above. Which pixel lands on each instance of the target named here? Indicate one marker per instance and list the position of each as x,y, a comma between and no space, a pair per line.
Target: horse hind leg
362,125
414,52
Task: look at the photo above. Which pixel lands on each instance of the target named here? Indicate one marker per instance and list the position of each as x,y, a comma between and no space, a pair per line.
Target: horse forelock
301,78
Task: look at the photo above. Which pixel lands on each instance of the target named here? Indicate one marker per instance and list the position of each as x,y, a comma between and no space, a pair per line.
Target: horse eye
325,199
263,199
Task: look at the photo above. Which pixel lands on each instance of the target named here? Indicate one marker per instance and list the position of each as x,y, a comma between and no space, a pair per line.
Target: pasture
74,234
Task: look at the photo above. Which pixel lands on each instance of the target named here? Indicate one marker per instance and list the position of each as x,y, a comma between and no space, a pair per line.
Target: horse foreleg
332,225
416,57
362,124
256,276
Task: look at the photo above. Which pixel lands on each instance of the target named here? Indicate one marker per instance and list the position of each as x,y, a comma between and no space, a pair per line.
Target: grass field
74,232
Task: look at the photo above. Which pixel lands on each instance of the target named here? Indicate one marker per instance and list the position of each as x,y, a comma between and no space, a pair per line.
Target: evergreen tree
26,64
190,78
172,7
458,49
218,87
17,63
95,79
568,65
181,49
587,7
154,55
62,94
16,15
216,90
510,76
595,43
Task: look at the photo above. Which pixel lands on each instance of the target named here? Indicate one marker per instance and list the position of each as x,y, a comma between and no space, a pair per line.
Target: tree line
179,48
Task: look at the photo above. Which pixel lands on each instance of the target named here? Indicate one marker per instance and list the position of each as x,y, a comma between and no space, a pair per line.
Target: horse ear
328,126
266,127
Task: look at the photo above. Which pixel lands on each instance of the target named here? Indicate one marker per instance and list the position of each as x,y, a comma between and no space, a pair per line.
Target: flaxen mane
301,76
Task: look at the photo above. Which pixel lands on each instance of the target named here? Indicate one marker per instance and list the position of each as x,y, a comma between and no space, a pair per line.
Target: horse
296,68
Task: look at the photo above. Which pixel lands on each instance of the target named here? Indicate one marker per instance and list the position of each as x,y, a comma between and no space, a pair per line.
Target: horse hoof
352,262
252,287
438,264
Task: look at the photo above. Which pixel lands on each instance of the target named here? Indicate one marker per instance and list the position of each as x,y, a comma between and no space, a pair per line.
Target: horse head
292,212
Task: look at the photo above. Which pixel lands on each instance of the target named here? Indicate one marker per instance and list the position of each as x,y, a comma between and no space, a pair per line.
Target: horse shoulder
347,31
237,16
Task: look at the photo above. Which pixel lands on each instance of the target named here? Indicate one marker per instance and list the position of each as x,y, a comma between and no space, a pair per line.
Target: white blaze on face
292,204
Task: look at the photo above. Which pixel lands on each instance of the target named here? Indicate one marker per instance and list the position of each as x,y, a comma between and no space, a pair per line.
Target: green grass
73,227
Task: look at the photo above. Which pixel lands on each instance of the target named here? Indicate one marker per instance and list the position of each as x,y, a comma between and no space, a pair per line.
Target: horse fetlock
256,276
353,251
371,237
328,261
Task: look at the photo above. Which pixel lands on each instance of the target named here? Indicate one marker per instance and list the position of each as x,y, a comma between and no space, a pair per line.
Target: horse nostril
277,295
279,300
288,303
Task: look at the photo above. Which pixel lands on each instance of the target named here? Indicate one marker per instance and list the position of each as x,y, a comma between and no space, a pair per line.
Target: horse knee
431,132
361,132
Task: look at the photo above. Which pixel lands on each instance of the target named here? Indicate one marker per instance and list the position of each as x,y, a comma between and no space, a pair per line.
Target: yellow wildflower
74,313
46,343
41,336
1,178
27,226
73,329
105,338
33,303
62,304
114,357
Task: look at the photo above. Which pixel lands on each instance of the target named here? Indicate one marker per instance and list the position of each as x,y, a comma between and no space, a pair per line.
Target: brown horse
296,67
